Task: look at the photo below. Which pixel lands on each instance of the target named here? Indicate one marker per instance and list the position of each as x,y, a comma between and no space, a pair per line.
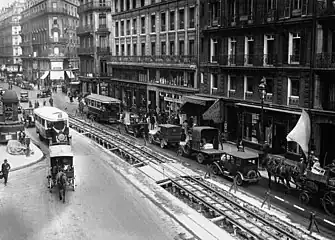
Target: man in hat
5,170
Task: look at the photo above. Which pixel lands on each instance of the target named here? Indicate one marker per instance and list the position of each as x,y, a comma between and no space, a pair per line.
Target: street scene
132,119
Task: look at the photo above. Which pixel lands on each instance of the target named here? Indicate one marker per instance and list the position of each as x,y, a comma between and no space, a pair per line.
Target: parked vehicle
102,108
203,143
242,165
24,97
28,117
133,124
165,135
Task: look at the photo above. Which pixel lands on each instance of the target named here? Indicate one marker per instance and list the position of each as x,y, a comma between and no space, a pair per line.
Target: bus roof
51,113
61,151
102,99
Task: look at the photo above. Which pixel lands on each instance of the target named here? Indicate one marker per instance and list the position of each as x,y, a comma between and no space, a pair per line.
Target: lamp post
262,92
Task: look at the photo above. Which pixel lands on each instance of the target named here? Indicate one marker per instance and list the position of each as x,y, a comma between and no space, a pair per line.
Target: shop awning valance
70,74
45,74
198,100
56,75
215,112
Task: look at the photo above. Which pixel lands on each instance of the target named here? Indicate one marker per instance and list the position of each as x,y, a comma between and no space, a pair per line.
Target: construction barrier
313,218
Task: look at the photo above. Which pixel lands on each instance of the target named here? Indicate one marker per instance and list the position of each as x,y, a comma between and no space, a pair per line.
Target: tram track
222,208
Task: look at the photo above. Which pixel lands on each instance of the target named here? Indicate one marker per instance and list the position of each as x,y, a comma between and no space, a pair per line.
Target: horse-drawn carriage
61,161
318,184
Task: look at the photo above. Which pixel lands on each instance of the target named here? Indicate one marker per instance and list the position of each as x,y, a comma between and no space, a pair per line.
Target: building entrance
327,153
279,138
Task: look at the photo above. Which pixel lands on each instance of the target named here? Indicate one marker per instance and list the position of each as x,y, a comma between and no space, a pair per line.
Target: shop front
277,123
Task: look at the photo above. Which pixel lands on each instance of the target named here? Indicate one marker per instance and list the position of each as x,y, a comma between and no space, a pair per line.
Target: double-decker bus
102,108
52,124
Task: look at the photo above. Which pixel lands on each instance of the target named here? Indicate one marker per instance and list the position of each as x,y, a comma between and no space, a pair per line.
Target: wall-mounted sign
12,68
56,65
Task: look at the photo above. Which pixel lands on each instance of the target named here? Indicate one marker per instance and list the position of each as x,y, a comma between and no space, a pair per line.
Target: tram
52,124
102,108
10,125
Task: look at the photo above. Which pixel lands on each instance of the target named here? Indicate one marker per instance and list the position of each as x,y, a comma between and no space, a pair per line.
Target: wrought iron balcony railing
85,29
176,59
85,50
293,100
103,28
103,50
325,60
95,6
245,60
295,59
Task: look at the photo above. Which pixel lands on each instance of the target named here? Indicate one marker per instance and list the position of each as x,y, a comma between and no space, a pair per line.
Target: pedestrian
44,103
51,101
5,170
152,122
222,139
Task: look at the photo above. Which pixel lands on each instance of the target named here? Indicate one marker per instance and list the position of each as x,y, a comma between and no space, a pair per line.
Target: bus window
98,104
49,124
43,122
59,125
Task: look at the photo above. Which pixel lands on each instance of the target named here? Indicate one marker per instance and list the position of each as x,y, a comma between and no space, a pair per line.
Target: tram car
133,124
52,124
102,108
10,124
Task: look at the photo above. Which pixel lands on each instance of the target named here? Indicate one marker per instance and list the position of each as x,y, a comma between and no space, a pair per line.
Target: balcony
29,13
325,60
103,28
87,29
163,28
58,40
164,59
214,91
271,15
95,6
248,95
192,23
214,22
252,60
86,51
103,51
231,93
215,59
270,59
325,8
268,98
293,101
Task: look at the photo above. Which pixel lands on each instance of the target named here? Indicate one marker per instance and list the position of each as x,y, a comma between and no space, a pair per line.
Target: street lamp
262,92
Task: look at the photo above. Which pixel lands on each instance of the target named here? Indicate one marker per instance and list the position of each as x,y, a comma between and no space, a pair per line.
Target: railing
328,105
248,95
325,60
214,91
192,23
293,100
268,97
103,28
103,50
85,29
245,60
59,40
95,5
128,32
232,93
325,8
215,59
86,50
270,59
155,59
163,28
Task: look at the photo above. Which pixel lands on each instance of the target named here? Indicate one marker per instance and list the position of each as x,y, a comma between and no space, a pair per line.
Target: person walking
152,122
5,170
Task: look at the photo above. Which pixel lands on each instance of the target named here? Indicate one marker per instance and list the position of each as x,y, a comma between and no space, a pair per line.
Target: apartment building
94,32
154,53
49,41
245,41
10,39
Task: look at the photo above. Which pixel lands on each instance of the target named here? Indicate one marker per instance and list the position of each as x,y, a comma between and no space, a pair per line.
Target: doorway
279,138
327,149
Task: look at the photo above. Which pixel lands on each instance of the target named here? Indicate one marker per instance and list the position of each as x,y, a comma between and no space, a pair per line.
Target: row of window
164,49
56,6
269,49
125,5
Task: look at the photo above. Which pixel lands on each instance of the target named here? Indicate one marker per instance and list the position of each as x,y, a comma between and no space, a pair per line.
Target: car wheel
200,158
239,180
162,144
215,169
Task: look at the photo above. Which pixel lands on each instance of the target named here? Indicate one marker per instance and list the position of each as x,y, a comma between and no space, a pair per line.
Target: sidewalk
18,162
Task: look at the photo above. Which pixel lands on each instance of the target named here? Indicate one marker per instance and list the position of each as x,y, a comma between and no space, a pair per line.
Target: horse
61,183
277,168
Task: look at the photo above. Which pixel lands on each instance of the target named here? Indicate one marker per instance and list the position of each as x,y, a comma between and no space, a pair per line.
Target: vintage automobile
239,164
44,93
28,117
133,125
203,143
165,135
24,96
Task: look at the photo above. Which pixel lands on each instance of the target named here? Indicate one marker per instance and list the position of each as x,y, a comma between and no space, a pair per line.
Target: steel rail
122,140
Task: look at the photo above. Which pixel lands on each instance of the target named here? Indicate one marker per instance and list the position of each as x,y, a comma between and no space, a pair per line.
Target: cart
61,158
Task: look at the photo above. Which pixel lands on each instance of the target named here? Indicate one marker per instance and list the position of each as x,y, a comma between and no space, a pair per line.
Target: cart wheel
150,139
304,197
329,203
200,158
162,144
215,169
239,180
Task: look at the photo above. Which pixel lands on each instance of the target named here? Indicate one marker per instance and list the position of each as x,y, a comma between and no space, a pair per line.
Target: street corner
21,161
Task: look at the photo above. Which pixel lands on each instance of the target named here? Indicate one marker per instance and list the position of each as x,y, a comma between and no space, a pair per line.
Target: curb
31,163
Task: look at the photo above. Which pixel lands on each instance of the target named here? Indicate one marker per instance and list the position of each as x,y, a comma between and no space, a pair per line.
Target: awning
56,75
198,100
46,73
70,74
215,112
269,108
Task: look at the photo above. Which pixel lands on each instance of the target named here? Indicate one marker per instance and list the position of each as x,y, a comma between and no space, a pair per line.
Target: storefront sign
13,68
215,112
176,100
56,65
